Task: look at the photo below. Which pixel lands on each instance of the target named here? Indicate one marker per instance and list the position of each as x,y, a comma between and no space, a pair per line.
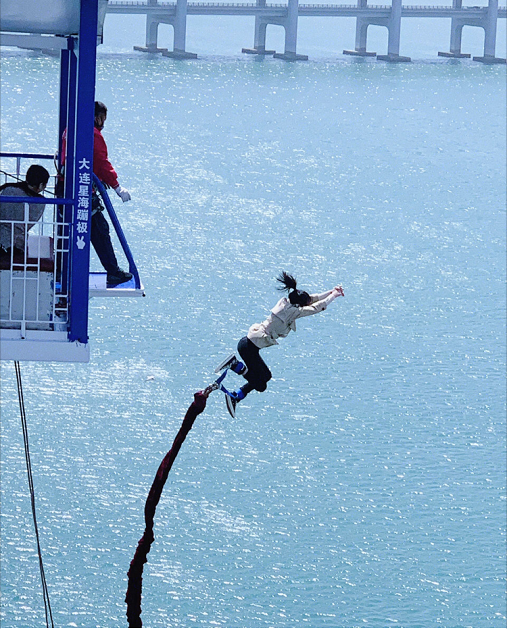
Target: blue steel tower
47,286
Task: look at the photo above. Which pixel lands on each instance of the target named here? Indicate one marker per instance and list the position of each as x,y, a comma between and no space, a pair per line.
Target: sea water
366,486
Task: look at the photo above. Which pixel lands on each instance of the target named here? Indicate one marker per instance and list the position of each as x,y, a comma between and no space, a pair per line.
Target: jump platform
98,287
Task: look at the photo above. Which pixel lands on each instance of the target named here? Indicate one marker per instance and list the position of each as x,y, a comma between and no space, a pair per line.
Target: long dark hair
296,297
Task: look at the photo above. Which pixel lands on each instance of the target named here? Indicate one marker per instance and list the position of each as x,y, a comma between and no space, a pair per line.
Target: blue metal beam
83,171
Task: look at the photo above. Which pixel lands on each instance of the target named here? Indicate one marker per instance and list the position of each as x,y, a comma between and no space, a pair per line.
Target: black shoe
231,362
231,405
118,277
228,363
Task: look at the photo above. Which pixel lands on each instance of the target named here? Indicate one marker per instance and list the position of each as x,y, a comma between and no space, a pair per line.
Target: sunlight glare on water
366,486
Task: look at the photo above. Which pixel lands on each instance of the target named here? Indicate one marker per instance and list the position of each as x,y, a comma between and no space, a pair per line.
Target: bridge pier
259,35
180,33
290,24
151,36
179,23
361,35
393,25
487,22
456,31
489,25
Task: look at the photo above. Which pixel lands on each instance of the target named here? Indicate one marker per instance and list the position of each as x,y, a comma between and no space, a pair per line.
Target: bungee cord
45,591
135,573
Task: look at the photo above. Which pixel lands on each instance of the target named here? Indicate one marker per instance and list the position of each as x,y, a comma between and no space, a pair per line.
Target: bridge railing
278,5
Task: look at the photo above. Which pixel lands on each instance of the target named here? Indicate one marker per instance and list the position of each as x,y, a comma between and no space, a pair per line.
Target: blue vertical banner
82,172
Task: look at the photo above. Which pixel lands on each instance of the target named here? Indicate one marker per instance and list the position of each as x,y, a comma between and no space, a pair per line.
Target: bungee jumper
279,323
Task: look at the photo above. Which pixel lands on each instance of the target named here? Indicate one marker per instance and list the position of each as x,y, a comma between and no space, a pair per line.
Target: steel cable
45,591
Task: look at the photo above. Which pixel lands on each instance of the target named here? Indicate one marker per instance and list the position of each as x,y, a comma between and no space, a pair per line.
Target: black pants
258,374
99,236
101,241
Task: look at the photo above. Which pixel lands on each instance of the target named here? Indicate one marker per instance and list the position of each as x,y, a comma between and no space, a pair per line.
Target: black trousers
258,374
99,236
101,241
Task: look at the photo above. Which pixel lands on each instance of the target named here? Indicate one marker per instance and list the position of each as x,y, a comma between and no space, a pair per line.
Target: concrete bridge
286,15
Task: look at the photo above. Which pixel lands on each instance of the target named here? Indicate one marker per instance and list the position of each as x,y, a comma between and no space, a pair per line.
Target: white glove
123,193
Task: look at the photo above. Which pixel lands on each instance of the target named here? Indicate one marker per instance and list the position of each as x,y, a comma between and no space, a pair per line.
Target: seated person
13,234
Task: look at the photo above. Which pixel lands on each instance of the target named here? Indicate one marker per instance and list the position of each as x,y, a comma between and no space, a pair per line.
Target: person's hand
339,290
123,193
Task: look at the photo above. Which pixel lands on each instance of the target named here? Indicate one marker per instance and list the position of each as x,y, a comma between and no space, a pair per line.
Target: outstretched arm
321,304
321,296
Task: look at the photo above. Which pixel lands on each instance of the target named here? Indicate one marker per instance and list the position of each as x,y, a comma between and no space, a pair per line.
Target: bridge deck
280,10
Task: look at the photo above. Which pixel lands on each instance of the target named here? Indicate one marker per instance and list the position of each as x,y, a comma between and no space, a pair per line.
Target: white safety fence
33,277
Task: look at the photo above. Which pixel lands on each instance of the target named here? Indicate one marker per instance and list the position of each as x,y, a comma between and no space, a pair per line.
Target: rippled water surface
366,487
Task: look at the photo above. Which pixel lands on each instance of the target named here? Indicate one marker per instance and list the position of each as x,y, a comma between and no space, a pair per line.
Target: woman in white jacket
279,323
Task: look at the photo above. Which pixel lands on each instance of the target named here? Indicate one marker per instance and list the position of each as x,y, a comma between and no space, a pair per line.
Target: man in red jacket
102,167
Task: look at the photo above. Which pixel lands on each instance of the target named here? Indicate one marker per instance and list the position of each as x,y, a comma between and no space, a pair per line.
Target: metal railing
33,292
35,274
118,229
